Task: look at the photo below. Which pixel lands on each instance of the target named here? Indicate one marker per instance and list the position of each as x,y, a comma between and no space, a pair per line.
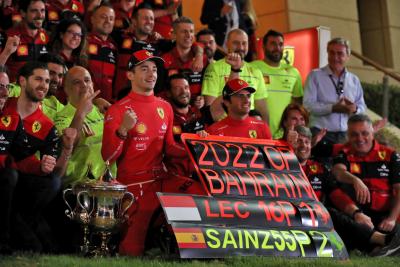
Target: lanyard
339,86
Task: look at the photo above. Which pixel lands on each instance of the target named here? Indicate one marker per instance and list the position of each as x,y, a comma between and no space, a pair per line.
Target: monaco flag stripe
177,201
182,214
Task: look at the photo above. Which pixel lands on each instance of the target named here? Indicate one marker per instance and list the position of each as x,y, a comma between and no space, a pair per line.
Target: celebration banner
259,203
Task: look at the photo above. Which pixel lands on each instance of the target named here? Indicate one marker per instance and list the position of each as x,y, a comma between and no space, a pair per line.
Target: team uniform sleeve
341,159
267,131
310,100
52,144
111,144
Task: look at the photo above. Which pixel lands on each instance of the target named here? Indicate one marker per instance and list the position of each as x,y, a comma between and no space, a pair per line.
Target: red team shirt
29,48
248,128
102,64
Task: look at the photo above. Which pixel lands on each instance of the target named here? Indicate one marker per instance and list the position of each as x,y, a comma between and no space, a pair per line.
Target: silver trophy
102,205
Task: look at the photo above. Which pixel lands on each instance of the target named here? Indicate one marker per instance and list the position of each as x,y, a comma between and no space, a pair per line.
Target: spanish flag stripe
189,238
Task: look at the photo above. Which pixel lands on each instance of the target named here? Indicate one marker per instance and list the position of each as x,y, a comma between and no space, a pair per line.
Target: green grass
27,260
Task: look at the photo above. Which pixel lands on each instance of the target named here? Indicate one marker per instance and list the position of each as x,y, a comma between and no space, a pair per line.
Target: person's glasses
75,34
5,86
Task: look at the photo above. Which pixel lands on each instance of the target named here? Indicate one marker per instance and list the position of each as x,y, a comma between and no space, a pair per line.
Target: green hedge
373,95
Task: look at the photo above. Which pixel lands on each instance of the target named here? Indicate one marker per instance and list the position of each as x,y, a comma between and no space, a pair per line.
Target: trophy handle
131,200
69,212
78,198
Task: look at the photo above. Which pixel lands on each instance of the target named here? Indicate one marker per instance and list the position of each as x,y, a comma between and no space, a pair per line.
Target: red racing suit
102,64
29,48
56,11
140,161
248,128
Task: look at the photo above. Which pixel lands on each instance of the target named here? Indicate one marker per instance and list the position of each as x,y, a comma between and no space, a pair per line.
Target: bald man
81,114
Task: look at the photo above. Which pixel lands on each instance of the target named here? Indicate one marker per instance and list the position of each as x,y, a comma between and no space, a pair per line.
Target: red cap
141,56
236,85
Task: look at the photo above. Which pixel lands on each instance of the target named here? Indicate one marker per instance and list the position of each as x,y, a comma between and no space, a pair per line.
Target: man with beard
102,51
332,94
187,119
231,67
282,81
38,179
236,101
207,38
33,38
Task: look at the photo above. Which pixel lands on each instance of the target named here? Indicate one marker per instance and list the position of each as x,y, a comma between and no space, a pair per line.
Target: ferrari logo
253,133
240,82
92,49
74,7
6,120
127,43
36,126
314,168
160,112
141,128
288,55
42,37
355,168
382,154
148,53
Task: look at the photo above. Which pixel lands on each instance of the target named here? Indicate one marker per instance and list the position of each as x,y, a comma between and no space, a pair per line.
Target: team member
63,9
102,51
373,171
234,66
236,98
282,81
38,180
355,235
137,135
81,114
181,58
207,38
32,38
332,93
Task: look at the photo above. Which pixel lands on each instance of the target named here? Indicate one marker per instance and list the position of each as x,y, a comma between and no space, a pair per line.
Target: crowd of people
84,83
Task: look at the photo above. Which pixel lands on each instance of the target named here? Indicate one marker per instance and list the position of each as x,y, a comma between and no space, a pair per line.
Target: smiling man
332,93
138,135
373,170
236,100
33,39
282,81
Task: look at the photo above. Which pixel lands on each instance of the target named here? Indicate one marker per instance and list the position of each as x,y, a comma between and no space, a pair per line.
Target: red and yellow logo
22,50
6,120
382,154
36,126
160,112
127,43
93,49
43,37
141,128
176,129
314,168
74,7
53,15
253,134
355,168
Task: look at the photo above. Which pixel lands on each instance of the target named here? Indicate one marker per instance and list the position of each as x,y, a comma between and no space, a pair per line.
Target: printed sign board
259,203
